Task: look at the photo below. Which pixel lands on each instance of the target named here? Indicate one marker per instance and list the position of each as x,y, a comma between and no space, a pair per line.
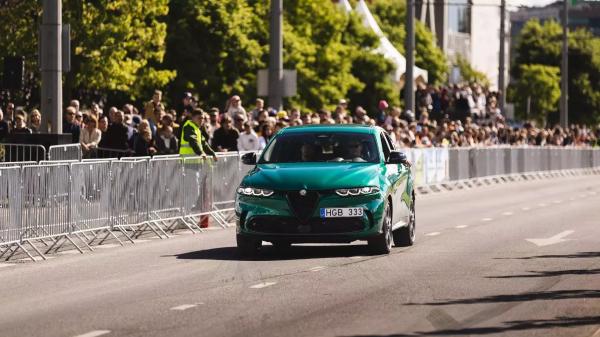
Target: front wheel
405,236
382,243
247,246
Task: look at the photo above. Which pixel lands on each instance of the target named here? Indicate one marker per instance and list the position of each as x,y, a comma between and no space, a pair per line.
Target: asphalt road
472,272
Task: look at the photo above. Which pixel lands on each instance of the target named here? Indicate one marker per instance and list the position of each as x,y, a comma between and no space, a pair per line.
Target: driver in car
355,151
307,152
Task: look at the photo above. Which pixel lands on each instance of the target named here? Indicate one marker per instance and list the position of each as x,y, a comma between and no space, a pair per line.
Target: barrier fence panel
165,180
21,152
90,195
65,152
18,163
101,152
198,195
10,204
224,183
129,194
46,200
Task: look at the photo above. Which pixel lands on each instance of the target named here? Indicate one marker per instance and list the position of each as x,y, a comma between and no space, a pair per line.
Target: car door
401,179
393,174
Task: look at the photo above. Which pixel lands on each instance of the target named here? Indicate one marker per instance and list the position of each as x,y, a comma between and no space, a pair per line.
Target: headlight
345,192
257,192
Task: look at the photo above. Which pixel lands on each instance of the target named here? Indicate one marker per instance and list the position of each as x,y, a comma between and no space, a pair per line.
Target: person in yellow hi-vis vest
192,143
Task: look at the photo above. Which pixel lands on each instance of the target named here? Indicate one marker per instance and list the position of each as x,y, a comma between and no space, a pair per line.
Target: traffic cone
204,220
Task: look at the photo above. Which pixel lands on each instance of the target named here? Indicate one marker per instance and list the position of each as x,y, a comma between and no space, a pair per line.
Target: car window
390,142
386,147
321,147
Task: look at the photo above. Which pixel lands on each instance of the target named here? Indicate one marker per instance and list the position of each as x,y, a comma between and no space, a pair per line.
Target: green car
326,184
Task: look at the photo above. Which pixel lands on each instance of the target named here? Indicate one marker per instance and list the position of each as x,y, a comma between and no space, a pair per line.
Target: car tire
247,246
405,236
382,243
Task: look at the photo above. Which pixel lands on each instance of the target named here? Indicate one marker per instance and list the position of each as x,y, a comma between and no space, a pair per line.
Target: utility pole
564,71
502,63
51,65
276,55
409,92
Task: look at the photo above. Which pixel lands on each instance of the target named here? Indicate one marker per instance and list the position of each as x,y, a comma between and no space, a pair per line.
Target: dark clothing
226,139
73,129
162,147
178,131
189,135
115,137
22,130
4,129
141,147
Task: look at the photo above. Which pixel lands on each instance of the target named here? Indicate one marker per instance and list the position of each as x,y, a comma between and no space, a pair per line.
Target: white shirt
90,138
248,142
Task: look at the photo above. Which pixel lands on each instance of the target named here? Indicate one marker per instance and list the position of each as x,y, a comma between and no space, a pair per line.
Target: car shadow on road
270,253
551,273
581,255
509,326
522,297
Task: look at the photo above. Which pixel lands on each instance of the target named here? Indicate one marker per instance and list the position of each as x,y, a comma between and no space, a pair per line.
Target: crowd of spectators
454,116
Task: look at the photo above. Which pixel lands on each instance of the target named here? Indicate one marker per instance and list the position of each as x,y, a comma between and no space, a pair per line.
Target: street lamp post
51,65
564,71
276,55
409,92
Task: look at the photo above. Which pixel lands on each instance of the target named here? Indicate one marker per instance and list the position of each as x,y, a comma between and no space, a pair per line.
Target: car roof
356,128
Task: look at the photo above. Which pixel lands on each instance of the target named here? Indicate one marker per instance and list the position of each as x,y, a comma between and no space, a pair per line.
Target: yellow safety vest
185,149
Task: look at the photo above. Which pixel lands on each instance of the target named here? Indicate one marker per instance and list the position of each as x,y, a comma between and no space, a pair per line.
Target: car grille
289,225
303,206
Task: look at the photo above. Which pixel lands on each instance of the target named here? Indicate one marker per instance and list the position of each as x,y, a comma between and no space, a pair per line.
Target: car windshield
322,147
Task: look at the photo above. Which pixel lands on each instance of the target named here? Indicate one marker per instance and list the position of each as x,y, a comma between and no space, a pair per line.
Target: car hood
313,176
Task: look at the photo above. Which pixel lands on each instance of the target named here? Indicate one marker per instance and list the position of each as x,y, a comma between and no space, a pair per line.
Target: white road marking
108,245
262,285
94,333
185,306
551,240
557,201
356,257
507,213
433,234
597,333
525,208
462,226
572,198
593,193
4,265
317,268
487,219
542,204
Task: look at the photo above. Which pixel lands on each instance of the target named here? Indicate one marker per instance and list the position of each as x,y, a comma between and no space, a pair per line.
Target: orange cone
204,220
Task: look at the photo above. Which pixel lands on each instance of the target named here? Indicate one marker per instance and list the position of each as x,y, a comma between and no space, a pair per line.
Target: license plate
348,212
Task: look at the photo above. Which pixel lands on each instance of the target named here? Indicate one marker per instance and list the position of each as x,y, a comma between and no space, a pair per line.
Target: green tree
117,46
539,43
538,84
469,73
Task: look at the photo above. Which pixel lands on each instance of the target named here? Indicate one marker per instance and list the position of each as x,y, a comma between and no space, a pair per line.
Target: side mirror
249,158
398,157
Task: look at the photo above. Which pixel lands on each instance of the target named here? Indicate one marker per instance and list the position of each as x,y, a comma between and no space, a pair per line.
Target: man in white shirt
248,140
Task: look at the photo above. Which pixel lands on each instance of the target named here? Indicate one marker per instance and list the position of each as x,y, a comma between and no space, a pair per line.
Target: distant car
326,184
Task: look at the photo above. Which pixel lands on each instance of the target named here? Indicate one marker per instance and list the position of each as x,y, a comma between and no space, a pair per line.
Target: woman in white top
90,136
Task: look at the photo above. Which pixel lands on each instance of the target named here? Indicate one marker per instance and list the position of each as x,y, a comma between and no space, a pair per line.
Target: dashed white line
317,268
461,226
433,234
4,265
356,257
557,201
262,285
94,333
542,204
487,219
572,199
507,213
525,208
185,307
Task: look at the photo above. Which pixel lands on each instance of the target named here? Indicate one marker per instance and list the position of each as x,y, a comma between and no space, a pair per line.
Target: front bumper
275,218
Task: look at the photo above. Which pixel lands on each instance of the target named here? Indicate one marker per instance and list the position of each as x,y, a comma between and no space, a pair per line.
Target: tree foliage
468,73
539,43
540,85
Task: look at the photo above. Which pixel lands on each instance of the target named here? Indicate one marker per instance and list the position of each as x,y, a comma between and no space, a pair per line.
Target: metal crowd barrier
57,202
21,152
65,152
